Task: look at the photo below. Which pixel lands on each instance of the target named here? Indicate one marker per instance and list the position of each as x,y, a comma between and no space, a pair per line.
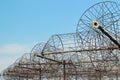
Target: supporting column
40,74
64,73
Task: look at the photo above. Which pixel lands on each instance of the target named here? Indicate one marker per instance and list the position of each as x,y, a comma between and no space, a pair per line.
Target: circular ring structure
99,28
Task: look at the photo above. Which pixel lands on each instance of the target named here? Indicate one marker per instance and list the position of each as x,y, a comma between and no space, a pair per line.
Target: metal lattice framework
91,53
99,28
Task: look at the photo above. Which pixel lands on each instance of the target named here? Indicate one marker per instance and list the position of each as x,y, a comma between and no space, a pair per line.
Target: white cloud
10,52
14,48
6,63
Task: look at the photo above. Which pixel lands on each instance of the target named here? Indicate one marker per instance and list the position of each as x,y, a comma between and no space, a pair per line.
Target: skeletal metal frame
91,53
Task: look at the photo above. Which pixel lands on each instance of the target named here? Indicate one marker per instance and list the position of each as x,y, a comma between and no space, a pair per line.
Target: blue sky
24,23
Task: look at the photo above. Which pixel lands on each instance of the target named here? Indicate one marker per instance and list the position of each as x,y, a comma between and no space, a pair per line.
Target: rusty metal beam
82,50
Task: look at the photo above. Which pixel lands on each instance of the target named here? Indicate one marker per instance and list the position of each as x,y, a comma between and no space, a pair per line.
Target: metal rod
82,50
109,36
64,74
40,74
49,59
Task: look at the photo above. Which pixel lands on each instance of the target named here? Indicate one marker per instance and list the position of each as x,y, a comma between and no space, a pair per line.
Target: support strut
110,37
49,59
